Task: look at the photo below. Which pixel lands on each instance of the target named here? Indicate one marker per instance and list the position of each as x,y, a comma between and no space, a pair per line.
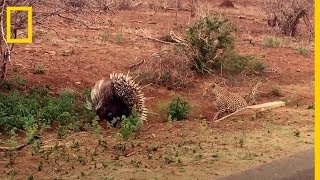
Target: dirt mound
227,4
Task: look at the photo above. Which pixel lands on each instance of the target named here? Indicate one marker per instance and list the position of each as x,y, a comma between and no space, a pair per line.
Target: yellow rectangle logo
29,25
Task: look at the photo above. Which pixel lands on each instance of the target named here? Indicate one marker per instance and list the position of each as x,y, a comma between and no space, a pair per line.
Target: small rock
52,53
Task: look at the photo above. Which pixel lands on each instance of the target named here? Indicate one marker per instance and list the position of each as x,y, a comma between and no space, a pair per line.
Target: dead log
257,108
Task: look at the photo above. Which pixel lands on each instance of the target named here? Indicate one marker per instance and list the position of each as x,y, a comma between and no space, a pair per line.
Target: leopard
226,102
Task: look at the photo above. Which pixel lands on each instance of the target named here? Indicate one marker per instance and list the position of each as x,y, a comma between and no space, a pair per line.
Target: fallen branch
2,149
148,36
137,64
17,148
177,38
257,108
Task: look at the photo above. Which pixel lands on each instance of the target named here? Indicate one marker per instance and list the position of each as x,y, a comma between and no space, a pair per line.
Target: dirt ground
198,148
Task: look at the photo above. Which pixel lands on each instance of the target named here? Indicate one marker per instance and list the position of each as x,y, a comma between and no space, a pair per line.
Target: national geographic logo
29,24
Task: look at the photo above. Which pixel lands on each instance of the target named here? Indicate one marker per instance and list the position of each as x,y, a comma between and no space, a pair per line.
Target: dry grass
169,68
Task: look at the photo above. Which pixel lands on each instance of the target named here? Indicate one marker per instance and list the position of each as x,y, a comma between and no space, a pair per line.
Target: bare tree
287,14
74,11
18,22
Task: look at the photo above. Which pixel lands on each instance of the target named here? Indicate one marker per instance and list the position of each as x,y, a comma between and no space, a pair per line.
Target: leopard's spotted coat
226,102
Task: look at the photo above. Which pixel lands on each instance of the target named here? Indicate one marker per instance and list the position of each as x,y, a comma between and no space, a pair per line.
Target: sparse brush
163,109
168,68
6,84
20,81
96,127
235,64
39,70
178,109
167,38
271,42
104,36
276,90
303,51
119,38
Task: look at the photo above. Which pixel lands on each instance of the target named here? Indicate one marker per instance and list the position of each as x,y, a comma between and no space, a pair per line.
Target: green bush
303,51
210,48
24,110
130,125
178,109
235,63
276,90
206,39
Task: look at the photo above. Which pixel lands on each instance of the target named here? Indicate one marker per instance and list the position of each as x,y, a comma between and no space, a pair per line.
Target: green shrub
276,90
235,63
7,85
303,51
179,109
20,81
211,47
130,125
119,38
206,39
24,110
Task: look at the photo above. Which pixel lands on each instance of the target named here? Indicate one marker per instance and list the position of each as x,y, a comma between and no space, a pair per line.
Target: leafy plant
36,109
179,109
119,38
7,85
210,47
276,90
96,127
130,125
20,81
208,40
235,63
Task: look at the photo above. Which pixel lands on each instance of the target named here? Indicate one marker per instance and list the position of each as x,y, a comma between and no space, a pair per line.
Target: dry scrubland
48,80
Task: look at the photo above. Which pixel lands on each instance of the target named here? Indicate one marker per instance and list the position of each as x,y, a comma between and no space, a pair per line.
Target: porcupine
113,98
